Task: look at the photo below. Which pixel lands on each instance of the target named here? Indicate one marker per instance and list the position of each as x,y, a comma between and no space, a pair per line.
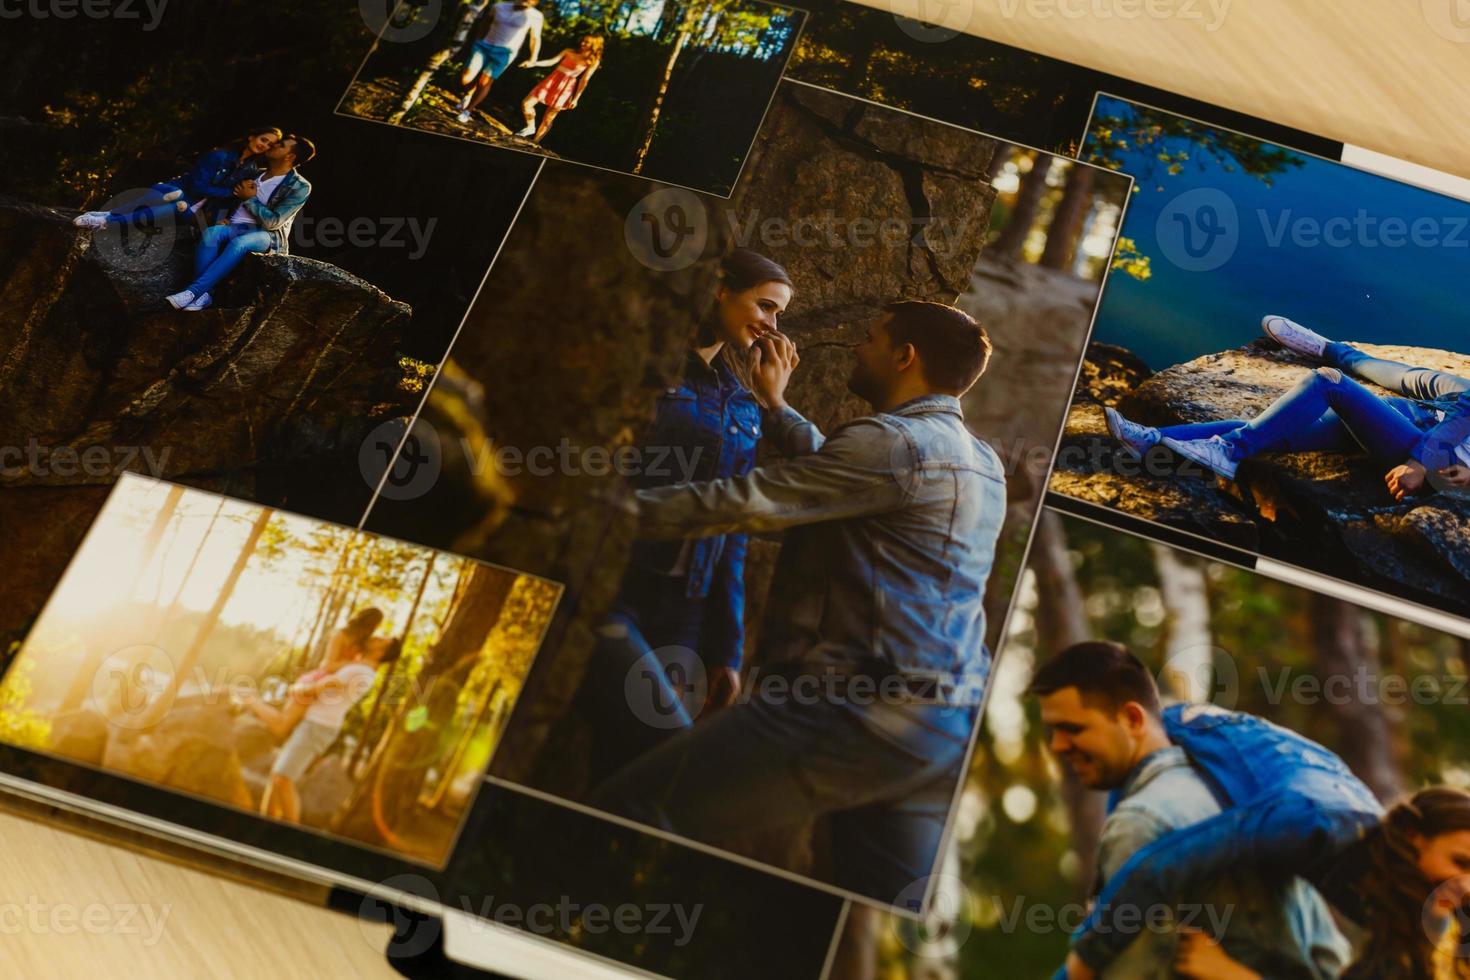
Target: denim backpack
1291,807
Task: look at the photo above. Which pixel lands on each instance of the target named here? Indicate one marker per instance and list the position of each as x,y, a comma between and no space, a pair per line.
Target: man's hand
1078,970
245,190
774,359
1456,476
1406,479
724,688
1199,957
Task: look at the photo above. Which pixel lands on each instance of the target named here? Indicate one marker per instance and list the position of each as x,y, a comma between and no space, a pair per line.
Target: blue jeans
150,208
221,248
628,694
1288,834
1412,382
883,773
1326,411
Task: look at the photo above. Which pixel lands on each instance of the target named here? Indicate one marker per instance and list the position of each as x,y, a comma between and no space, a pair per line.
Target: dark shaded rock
287,373
1323,510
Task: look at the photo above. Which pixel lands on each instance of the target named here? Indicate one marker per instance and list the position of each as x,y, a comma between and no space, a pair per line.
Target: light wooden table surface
1389,75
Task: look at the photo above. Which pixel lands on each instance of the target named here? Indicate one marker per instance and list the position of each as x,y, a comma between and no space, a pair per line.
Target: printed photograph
314,674
1278,363
790,442
1189,770
672,90
215,279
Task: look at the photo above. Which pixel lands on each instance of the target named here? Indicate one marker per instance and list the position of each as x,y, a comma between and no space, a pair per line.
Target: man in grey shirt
1103,715
876,614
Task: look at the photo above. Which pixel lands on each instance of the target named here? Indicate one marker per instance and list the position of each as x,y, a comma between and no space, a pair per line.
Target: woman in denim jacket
208,185
1411,881
1422,435
676,630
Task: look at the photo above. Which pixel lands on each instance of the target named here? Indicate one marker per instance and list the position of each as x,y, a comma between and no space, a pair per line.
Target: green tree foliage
1152,145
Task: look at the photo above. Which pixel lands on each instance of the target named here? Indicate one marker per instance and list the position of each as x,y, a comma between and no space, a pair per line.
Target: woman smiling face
746,315
261,142
1444,861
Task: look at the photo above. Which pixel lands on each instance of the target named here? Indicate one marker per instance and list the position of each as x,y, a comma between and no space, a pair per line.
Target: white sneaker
464,116
181,301
1212,453
91,219
1295,337
528,131
1138,438
201,302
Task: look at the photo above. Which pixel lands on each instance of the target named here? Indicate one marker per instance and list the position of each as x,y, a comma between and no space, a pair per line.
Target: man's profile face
873,372
282,150
1089,736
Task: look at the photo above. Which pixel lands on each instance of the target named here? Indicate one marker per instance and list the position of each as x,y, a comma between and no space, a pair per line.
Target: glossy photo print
710,437
224,283
1188,769
672,90
1279,362
314,674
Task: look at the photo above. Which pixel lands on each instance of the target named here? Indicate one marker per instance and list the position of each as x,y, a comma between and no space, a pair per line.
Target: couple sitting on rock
316,707
244,194
1424,434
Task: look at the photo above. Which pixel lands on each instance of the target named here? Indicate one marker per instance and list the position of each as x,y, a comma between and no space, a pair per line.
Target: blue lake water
1386,263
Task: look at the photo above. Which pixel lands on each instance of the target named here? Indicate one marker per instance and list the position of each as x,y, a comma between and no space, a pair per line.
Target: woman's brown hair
362,624
743,269
1393,892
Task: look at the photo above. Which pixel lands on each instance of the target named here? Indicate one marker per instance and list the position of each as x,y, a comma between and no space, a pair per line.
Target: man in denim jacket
1104,720
875,614
261,222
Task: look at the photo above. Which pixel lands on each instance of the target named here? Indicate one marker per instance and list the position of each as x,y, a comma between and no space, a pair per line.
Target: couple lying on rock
1423,435
316,707
890,528
244,195
1227,836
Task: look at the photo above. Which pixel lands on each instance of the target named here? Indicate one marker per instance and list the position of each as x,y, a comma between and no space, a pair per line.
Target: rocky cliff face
1325,511
255,397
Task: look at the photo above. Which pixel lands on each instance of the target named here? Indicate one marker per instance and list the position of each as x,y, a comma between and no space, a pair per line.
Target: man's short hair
952,346
1103,672
305,149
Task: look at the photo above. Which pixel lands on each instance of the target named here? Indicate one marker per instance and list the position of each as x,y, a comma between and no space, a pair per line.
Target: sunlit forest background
1026,835
678,96
178,598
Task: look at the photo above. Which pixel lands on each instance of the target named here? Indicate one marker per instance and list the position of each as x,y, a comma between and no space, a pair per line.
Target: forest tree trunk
1365,730
1013,236
1065,232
